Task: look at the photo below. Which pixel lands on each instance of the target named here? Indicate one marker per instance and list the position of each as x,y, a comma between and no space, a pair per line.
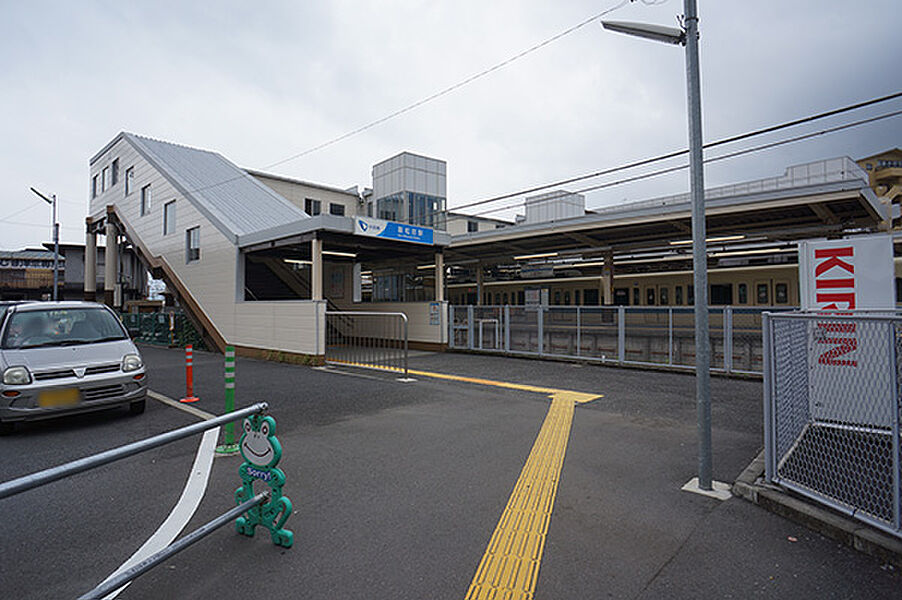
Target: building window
472,226
94,186
312,207
115,173
192,244
678,295
781,293
129,180
169,217
104,179
145,199
336,209
743,293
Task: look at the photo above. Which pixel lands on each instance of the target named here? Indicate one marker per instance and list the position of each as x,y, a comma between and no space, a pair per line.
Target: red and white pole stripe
189,375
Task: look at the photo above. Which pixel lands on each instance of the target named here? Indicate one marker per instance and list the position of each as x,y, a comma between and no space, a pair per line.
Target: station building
259,259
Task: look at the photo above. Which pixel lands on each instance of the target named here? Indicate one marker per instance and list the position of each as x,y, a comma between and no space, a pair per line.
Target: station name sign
390,230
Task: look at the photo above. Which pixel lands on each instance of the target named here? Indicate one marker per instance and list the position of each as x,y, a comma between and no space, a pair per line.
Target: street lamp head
43,197
658,33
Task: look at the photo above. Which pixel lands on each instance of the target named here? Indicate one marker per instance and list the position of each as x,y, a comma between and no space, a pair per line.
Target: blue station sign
393,231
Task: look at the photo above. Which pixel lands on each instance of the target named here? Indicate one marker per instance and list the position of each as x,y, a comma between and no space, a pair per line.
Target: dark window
722,294
650,296
115,174
590,297
637,298
576,297
622,296
505,297
567,298
192,244
336,209
104,179
678,295
665,296
145,200
472,226
521,297
762,294
557,298
312,207
169,217
497,298
94,186
690,294
781,293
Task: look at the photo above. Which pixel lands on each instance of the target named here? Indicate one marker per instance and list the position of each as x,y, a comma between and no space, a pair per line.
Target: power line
19,212
662,157
708,160
451,88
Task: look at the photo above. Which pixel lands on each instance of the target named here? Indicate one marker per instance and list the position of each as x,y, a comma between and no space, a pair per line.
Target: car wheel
136,408
6,427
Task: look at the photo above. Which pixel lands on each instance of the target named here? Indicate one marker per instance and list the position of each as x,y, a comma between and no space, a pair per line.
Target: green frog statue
262,451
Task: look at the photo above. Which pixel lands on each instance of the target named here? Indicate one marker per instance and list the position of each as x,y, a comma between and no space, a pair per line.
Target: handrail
28,482
153,560
404,320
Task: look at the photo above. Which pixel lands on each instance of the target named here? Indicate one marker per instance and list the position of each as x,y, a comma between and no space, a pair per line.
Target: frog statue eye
247,426
264,428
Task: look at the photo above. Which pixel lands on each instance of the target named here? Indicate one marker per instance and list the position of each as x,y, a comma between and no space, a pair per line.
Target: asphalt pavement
397,488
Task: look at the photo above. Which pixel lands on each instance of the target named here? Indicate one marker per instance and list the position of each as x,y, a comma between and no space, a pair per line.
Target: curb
750,485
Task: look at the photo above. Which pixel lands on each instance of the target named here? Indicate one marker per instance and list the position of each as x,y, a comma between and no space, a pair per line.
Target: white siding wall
298,192
419,329
212,280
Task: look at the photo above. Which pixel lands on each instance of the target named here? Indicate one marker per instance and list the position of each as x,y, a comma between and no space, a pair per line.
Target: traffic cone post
189,375
229,446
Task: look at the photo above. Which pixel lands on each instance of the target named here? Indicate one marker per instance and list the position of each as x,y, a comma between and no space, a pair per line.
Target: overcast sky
261,81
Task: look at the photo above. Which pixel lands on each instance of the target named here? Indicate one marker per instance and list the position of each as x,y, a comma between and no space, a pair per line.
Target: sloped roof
234,201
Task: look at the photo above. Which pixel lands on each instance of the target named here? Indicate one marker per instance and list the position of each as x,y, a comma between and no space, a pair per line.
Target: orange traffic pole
189,375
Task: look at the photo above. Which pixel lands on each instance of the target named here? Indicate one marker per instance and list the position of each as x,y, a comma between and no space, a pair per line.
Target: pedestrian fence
832,411
612,334
34,480
166,328
367,339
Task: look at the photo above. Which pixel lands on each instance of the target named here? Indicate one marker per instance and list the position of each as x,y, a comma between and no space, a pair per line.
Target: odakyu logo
363,225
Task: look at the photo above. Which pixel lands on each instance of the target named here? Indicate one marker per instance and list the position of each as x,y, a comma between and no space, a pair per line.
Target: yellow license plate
66,397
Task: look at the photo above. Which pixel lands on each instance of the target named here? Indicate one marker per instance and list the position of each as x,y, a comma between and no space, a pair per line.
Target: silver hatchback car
60,358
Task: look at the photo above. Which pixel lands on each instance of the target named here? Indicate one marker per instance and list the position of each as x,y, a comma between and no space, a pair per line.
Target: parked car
61,358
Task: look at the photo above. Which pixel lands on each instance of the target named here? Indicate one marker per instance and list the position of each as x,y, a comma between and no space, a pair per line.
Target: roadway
398,488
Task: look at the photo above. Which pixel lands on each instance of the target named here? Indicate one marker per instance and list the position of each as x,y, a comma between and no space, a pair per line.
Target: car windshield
61,327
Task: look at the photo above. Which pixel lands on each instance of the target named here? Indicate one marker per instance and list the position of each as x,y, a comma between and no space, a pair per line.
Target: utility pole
56,241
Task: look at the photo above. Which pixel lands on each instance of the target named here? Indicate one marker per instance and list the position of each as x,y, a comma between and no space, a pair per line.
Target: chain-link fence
612,334
166,328
832,411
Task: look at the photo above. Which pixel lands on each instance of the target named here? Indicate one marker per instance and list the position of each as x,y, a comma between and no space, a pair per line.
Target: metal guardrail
166,328
832,411
368,339
650,336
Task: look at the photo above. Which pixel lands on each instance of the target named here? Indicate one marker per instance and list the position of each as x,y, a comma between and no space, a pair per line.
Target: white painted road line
187,504
191,410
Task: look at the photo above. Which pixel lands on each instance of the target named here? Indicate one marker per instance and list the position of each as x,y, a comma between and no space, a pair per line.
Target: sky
260,82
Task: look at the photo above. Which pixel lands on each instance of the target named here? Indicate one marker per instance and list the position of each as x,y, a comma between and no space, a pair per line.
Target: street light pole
689,38
56,241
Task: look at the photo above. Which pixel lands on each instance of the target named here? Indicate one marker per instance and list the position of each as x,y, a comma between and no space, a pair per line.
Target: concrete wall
419,327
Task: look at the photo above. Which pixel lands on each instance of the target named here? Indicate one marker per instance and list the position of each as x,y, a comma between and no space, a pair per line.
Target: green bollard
229,447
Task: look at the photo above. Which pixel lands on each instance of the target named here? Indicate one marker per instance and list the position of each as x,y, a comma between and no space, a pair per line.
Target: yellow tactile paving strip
509,569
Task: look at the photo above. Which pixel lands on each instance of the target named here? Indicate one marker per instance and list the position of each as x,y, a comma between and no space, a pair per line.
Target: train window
505,297
621,296
590,297
576,297
566,298
743,293
665,295
637,300
557,298
650,296
690,294
497,298
678,295
722,294
521,297
781,293
763,296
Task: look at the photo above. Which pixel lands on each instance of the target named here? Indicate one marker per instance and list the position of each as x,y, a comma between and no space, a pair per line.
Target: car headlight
131,362
16,376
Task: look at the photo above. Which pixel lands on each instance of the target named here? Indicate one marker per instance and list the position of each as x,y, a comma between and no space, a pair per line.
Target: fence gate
832,411
375,340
